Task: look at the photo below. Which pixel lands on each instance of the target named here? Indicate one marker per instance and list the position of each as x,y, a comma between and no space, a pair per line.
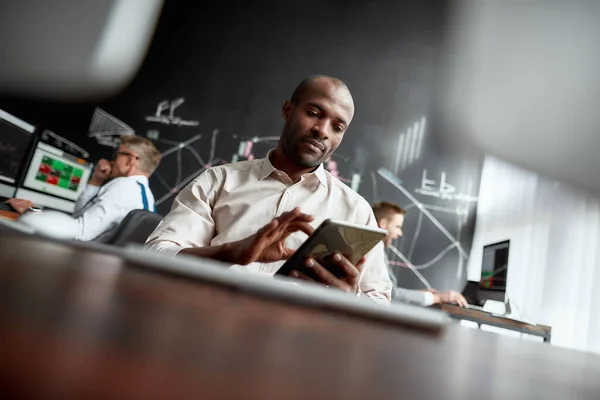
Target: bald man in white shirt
255,214
390,216
115,188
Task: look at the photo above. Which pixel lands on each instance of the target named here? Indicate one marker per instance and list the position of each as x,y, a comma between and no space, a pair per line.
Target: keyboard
6,207
475,307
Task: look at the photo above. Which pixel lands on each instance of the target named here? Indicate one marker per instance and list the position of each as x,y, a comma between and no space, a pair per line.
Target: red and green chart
56,172
487,279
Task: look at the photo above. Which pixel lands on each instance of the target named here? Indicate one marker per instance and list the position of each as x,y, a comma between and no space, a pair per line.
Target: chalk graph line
411,267
460,212
374,180
415,236
177,148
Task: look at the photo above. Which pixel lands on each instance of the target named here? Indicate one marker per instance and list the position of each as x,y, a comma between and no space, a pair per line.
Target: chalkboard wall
215,79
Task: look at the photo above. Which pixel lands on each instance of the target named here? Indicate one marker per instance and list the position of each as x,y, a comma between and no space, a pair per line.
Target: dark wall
234,64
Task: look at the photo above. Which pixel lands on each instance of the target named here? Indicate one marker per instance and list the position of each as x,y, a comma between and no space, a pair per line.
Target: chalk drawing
444,190
108,129
177,148
425,210
411,267
410,145
170,118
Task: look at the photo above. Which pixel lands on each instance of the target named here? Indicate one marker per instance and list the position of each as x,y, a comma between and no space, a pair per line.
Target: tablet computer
353,241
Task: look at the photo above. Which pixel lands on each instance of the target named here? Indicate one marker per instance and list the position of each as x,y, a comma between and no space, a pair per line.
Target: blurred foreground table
78,323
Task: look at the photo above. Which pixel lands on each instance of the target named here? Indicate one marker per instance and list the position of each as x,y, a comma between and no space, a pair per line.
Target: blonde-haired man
115,188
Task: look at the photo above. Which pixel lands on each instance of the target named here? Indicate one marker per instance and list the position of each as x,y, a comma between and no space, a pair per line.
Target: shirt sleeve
190,222
375,281
88,193
403,295
51,223
110,207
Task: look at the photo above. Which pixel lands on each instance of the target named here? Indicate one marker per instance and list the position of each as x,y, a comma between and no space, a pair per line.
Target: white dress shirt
231,202
98,210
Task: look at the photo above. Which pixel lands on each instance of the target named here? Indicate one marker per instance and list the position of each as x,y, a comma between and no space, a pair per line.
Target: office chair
135,228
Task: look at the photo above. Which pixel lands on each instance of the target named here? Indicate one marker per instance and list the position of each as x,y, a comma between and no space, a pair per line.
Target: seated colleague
115,188
247,213
390,216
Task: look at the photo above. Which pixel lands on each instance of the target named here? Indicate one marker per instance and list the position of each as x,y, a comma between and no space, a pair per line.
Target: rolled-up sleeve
190,222
418,297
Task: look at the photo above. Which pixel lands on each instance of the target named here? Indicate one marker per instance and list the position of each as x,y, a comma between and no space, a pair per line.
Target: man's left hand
349,273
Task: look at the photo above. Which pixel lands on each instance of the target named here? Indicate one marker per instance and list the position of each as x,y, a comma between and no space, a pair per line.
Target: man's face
124,162
393,224
316,124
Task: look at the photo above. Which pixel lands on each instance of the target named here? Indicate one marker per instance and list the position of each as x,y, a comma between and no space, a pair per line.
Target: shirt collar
267,169
140,178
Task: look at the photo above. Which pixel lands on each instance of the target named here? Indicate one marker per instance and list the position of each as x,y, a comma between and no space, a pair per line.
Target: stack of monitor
16,139
37,171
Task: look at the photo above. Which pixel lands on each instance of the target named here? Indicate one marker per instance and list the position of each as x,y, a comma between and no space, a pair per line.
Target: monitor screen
54,172
494,266
15,139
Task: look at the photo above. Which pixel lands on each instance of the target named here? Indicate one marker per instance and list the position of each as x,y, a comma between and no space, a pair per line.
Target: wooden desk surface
11,215
77,323
487,318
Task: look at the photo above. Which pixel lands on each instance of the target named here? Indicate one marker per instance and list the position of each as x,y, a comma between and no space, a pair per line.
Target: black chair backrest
135,228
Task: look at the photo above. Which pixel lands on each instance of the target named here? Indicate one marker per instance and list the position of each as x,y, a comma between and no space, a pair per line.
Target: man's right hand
19,205
101,173
266,245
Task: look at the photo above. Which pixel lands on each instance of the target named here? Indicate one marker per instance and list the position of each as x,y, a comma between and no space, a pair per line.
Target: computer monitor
16,138
494,268
54,178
